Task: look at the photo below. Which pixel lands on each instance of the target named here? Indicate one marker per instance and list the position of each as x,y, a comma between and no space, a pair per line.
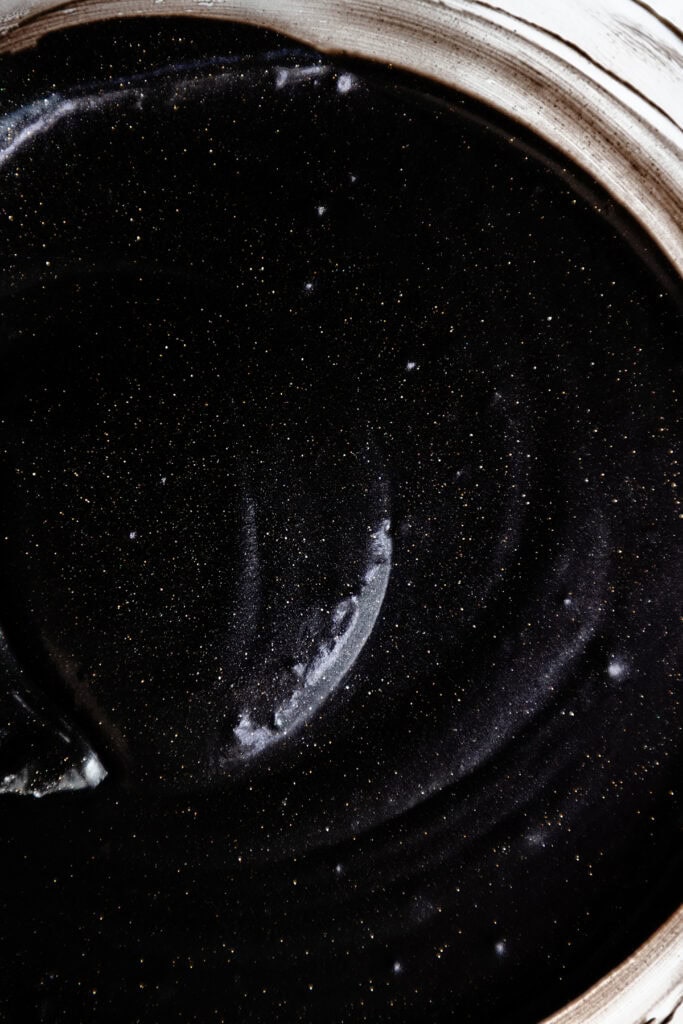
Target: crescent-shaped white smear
352,621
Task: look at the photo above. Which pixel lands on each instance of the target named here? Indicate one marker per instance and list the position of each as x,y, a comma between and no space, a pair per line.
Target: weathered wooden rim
569,77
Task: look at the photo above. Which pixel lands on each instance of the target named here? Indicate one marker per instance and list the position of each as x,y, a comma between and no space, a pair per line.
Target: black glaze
278,337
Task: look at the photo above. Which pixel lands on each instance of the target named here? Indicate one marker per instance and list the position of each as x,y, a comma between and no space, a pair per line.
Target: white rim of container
601,81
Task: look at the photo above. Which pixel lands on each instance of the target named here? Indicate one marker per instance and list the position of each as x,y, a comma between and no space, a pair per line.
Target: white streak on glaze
18,129
352,620
288,77
38,782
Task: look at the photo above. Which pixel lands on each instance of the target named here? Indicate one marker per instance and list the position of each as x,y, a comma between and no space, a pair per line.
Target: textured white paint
42,780
352,622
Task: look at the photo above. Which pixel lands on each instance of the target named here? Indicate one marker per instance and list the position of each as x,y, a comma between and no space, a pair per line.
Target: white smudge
616,669
352,621
293,76
34,120
37,781
94,771
345,82
537,838
253,738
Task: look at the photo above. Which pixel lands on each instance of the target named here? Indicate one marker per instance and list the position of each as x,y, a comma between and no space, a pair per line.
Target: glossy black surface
337,526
